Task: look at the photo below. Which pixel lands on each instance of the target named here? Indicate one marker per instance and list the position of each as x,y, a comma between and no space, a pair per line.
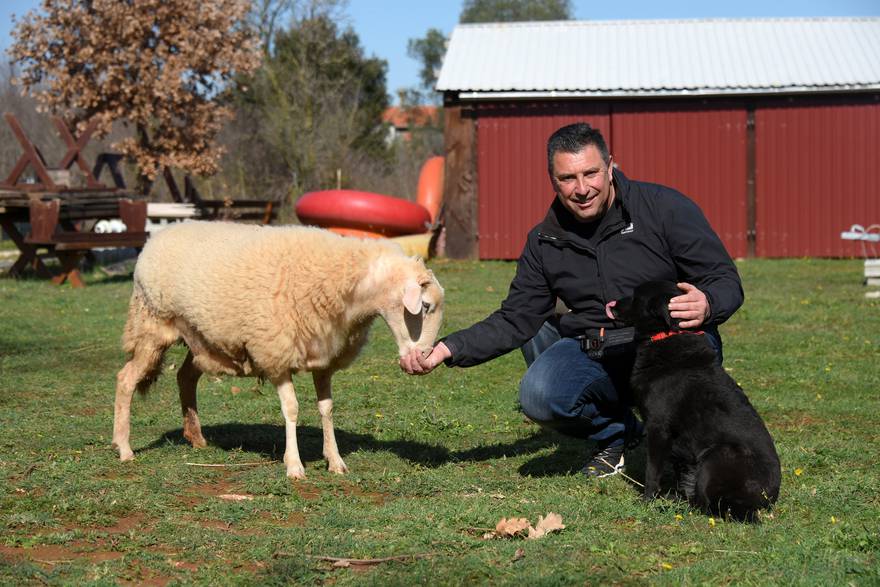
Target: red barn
771,125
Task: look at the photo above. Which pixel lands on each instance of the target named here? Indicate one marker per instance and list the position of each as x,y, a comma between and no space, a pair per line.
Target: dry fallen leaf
520,553
235,497
511,527
235,390
551,523
507,528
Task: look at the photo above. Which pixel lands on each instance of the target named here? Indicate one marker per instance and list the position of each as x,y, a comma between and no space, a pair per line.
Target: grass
435,461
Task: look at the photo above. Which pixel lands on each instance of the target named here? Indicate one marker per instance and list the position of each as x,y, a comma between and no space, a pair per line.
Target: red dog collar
662,335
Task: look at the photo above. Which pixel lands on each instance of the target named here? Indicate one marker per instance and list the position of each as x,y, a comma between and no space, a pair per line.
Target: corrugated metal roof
662,57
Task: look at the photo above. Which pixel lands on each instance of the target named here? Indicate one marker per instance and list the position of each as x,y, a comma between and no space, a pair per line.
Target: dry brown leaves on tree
159,65
521,528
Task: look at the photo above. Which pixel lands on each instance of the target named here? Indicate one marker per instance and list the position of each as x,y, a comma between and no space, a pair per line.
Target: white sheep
267,302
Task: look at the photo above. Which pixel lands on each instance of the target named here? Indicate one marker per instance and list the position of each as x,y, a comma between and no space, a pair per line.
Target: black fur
695,414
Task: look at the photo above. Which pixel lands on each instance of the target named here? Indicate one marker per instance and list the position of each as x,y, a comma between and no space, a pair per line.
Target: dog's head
647,309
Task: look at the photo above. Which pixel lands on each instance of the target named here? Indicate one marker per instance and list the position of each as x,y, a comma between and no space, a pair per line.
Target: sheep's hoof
338,467
296,472
196,441
126,455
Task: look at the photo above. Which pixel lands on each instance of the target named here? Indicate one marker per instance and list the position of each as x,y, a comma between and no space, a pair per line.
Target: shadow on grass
268,440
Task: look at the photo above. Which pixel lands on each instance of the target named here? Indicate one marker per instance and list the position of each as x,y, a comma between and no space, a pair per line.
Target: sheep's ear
412,298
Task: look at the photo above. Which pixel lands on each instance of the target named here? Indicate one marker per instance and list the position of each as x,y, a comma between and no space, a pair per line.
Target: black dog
695,414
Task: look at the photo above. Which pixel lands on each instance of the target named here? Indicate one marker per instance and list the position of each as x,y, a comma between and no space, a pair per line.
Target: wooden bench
69,244
262,211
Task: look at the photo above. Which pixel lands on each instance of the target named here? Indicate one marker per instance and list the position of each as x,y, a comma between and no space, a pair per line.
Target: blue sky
385,26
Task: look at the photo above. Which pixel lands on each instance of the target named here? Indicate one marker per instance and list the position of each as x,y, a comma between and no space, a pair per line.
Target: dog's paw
648,496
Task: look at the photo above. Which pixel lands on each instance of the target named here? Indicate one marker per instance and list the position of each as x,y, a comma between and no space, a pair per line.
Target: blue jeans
566,391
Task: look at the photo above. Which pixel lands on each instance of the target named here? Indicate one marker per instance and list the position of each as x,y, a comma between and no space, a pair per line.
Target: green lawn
435,461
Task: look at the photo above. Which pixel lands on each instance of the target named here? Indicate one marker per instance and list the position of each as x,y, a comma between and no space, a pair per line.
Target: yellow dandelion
833,520
798,472
711,522
378,415
666,566
679,517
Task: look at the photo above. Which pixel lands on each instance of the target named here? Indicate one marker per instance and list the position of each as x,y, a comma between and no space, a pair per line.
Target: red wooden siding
513,186
698,149
817,166
817,172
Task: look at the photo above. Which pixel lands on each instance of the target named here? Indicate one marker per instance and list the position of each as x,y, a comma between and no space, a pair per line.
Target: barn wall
697,148
815,172
513,185
818,173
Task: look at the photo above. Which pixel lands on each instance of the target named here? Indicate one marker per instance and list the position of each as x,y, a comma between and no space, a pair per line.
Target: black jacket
651,232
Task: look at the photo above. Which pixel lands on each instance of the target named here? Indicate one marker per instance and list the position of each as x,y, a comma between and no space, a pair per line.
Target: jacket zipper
597,253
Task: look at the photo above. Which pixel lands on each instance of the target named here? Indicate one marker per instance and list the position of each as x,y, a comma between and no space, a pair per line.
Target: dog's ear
660,309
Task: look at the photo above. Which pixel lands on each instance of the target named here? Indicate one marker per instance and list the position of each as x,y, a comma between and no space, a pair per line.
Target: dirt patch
374,497
123,525
307,490
49,556
192,567
196,494
796,421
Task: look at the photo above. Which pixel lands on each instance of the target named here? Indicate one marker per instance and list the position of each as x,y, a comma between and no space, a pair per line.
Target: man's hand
416,363
692,308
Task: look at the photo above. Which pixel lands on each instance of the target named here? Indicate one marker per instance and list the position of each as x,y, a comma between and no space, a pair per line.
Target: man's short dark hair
573,139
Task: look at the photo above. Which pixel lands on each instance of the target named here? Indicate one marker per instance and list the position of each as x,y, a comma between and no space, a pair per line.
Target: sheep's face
415,311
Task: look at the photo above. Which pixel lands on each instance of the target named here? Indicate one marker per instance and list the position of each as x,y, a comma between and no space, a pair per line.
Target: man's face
583,183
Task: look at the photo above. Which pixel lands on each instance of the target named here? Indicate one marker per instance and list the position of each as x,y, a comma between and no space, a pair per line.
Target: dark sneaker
605,463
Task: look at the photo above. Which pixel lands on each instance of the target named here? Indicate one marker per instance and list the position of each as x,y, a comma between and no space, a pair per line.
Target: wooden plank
75,147
872,267
459,214
84,241
44,221
30,156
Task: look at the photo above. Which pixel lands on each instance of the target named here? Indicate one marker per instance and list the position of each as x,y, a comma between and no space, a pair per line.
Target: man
603,235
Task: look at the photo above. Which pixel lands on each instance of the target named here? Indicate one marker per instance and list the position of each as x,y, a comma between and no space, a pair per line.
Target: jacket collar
561,224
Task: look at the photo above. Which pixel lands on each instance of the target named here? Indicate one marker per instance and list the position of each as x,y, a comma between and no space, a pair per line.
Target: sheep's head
414,307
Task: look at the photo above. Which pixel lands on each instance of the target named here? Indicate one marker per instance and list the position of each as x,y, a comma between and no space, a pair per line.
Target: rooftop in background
404,118
662,57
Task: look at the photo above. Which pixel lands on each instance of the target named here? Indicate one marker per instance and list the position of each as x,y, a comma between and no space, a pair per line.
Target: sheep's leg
290,410
187,380
325,406
139,371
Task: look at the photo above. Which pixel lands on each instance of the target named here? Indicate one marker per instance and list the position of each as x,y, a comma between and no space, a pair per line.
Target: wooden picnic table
60,213
57,220
62,203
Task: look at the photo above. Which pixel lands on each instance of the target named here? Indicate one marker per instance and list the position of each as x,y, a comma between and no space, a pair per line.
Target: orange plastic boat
364,211
354,232
430,190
